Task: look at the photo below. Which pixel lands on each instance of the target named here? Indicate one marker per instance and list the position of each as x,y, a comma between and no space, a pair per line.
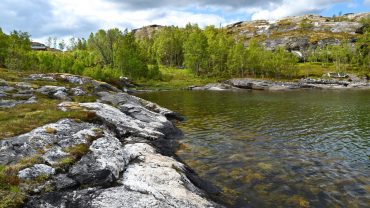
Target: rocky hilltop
147,31
119,154
300,32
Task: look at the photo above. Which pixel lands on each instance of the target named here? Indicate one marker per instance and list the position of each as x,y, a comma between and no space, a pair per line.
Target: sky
78,18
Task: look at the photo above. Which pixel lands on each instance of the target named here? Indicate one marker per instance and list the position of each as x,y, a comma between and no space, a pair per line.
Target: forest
210,52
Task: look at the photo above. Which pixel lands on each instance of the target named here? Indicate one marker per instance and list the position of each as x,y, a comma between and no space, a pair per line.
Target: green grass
77,150
173,78
25,117
10,194
314,70
11,75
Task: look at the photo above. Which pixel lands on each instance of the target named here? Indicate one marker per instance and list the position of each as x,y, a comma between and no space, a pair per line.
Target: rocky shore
122,156
255,84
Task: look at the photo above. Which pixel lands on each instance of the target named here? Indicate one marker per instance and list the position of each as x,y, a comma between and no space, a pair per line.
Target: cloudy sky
66,18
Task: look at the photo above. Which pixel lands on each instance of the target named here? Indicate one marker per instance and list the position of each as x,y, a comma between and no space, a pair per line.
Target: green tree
104,43
148,50
128,57
219,44
4,46
19,46
255,58
363,52
168,46
195,51
237,60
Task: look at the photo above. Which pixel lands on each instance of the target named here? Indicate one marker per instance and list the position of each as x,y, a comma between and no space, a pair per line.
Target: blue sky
351,7
67,18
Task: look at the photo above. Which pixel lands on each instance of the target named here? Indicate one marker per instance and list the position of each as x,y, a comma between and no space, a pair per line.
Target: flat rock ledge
255,84
128,160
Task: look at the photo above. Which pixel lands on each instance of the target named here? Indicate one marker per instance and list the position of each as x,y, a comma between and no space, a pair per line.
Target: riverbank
70,141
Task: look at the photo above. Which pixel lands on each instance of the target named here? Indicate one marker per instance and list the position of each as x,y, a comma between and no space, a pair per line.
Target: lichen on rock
119,156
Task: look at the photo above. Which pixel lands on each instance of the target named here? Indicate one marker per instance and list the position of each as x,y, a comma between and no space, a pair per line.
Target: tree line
108,54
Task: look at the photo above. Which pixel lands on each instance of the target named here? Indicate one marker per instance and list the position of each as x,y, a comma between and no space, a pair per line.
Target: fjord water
277,149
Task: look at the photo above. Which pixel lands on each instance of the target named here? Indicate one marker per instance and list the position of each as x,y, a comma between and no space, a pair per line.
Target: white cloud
107,14
291,8
367,2
63,18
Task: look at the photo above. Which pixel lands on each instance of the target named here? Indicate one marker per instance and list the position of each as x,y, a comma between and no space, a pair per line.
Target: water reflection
278,149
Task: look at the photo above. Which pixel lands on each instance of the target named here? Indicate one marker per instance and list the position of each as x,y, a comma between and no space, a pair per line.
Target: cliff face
301,32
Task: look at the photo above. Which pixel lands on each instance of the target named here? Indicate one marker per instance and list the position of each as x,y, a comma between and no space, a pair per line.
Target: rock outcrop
297,33
300,33
255,84
147,31
122,157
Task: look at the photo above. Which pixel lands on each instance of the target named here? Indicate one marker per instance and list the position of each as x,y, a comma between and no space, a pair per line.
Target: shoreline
256,84
122,156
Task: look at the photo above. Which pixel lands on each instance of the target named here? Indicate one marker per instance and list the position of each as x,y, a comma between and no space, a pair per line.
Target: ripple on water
284,149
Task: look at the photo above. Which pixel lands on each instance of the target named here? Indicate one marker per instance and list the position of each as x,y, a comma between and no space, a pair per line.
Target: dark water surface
278,149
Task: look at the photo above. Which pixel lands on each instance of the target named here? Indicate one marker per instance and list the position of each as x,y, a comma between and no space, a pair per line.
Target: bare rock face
160,176
77,91
55,91
147,32
300,33
125,124
102,164
50,139
36,171
116,99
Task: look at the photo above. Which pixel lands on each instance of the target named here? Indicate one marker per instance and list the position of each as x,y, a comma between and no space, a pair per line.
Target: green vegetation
174,78
210,53
25,117
78,150
10,194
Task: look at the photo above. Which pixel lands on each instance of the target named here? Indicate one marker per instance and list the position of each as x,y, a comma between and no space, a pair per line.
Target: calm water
278,149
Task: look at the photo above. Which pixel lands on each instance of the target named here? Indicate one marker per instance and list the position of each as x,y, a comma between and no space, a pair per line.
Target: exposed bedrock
123,157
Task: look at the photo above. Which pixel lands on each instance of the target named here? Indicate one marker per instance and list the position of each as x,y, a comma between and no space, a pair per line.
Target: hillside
292,33
300,32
